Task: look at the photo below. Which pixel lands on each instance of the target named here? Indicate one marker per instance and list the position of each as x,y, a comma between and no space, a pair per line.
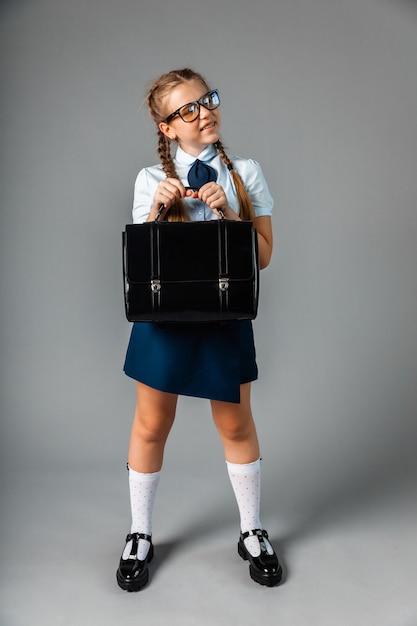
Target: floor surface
354,564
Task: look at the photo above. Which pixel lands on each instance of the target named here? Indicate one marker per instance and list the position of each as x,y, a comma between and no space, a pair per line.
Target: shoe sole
132,585
270,581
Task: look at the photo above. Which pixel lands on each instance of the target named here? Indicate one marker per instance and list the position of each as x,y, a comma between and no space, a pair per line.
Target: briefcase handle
161,208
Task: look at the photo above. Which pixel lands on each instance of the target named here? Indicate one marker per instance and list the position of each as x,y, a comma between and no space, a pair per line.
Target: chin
213,138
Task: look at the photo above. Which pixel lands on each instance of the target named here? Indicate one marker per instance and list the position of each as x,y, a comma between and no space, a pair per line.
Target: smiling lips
209,126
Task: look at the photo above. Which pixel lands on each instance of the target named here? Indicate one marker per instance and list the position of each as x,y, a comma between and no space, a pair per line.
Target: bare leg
237,431
154,416
236,428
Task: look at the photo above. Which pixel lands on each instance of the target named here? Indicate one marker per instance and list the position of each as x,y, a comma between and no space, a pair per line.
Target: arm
263,226
257,188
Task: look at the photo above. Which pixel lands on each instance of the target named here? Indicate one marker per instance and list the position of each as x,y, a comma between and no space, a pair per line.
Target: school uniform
202,360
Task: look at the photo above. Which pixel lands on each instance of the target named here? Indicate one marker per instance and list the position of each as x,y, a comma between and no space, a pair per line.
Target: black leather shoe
265,568
133,574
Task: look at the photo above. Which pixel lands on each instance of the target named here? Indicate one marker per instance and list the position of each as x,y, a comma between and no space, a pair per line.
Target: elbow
264,259
263,263
265,254
265,246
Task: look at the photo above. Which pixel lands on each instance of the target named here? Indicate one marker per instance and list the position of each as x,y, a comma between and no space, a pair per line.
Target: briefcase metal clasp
155,285
223,284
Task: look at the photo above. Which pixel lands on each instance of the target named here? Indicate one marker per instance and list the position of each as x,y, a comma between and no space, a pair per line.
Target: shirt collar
183,158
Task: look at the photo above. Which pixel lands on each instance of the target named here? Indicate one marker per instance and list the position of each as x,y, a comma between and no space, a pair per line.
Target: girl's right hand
169,191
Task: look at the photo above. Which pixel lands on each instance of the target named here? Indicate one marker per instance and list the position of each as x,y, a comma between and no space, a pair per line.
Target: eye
211,101
189,110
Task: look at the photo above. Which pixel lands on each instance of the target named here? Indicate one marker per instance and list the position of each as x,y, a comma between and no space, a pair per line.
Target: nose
204,112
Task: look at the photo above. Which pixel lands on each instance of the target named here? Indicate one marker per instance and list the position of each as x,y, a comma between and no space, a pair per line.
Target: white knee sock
246,483
142,489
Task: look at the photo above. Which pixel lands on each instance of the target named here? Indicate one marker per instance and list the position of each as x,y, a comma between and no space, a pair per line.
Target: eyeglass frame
198,103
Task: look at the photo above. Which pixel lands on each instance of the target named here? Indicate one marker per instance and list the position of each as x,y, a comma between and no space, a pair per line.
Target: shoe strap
257,532
137,536
134,538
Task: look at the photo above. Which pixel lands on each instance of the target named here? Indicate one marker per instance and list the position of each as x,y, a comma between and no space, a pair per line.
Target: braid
246,211
223,154
155,99
164,151
177,211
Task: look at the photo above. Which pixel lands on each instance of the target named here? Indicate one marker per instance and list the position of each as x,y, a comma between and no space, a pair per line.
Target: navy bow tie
200,174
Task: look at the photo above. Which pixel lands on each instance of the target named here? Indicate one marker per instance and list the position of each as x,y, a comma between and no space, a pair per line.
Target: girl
202,360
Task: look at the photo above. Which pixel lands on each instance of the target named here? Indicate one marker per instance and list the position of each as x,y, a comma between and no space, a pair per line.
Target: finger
206,194
178,185
208,187
166,199
211,192
174,188
214,200
170,191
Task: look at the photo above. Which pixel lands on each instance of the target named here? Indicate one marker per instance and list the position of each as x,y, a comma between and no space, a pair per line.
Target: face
194,136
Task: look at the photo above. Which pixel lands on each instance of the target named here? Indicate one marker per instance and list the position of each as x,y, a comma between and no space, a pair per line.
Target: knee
235,430
151,429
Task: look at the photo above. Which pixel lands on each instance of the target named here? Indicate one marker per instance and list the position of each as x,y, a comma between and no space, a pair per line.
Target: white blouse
249,170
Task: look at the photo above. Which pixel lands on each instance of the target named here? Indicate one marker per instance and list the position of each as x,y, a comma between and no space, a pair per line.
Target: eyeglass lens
190,112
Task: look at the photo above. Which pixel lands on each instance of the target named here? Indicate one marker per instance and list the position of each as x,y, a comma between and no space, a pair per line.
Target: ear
167,130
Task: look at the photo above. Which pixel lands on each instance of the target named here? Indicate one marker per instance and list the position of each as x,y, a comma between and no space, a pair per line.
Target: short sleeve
256,186
144,190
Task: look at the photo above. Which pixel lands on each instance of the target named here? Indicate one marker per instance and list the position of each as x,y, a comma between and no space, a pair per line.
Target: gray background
324,94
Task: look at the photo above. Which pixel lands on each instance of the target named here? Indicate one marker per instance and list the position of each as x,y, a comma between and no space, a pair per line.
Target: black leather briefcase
190,271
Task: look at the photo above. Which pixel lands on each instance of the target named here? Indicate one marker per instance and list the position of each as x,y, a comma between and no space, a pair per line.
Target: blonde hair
155,99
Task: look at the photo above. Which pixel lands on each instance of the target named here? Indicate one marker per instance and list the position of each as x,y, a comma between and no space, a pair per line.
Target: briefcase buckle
223,284
155,285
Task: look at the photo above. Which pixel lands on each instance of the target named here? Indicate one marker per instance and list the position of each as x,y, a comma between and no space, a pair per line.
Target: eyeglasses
190,112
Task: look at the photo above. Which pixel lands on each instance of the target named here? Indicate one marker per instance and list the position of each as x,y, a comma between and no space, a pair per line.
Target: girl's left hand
213,195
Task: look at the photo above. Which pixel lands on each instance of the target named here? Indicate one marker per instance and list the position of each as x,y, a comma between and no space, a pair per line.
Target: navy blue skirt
200,360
